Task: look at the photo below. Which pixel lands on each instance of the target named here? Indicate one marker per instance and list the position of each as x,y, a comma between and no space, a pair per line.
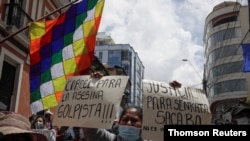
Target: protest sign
90,102
165,105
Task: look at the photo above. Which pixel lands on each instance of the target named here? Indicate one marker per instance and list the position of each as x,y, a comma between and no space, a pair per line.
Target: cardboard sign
90,102
165,105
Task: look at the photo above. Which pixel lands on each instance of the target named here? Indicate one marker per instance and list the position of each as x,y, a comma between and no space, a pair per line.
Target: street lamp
186,60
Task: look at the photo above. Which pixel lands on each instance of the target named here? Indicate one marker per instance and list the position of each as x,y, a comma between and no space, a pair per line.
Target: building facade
15,16
226,28
122,55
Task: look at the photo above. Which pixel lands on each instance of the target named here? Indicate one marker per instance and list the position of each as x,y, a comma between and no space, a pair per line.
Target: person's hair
32,118
41,116
138,109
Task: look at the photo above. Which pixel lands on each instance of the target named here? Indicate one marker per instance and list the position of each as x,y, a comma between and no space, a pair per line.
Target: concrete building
124,56
226,28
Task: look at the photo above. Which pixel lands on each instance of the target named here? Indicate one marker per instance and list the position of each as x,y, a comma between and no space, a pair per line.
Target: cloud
162,32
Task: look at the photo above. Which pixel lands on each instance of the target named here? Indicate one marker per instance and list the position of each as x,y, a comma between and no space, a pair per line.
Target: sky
163,33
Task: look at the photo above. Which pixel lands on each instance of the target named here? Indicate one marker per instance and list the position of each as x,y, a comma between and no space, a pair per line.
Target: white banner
90,102
165,105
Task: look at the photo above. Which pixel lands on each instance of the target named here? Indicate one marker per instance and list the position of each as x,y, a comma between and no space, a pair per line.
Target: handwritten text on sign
165,105
89,102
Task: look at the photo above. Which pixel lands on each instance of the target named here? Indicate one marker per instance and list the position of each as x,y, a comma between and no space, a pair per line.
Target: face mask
39,125
129,133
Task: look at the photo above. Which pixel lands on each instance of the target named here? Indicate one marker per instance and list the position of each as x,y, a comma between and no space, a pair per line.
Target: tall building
226,28
122,55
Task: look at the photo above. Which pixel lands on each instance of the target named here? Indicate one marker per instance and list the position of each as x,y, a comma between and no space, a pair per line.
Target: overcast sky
162,32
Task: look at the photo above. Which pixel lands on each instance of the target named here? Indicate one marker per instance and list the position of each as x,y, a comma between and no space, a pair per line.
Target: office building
122,55
226,28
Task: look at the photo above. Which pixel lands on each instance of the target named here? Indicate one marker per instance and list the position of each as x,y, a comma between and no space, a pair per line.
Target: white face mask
129,133
39,125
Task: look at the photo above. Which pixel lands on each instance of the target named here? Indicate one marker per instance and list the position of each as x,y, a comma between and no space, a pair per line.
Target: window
225,51
6,85
228,86
225,20
114,57
11,69
16,14
222,19
227,68
125,55
223,35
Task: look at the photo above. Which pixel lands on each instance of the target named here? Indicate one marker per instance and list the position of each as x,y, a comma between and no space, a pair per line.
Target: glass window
227,68
223,35
125,55
222,19
15,13
225,51
114,57
225,20
208,29
228,86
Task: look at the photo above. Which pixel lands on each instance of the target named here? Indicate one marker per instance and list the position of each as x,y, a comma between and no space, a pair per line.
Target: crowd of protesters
14,126
39,127
127,127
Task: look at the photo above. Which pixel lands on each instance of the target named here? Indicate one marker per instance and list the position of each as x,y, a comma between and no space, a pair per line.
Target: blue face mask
129,133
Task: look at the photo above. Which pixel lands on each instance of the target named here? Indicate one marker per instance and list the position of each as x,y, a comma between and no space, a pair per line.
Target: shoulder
50,134
98,134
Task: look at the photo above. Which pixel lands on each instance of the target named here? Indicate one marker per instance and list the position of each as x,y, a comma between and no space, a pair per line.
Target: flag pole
24,28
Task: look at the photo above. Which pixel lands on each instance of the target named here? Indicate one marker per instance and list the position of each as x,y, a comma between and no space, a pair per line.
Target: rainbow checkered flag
61,48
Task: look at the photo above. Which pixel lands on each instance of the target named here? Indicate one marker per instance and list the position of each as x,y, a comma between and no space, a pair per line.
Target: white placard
90,102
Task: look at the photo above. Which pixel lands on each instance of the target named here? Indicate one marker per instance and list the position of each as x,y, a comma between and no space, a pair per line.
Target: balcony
15,16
